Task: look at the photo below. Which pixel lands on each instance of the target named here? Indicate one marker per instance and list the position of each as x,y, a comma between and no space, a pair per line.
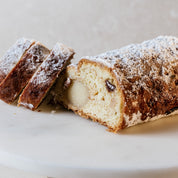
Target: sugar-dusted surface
13,55
54,62
144,58
35,56
148,76
45,76
19,76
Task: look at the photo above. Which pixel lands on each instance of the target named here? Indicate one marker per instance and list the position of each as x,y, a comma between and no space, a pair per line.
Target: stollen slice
19,76
45,76
13,55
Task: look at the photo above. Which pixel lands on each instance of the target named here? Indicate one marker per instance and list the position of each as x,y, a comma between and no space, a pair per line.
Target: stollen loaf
124,87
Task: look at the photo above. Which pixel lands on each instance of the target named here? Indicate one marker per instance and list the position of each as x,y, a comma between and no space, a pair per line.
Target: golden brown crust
2,76
88,116
111,129
19,76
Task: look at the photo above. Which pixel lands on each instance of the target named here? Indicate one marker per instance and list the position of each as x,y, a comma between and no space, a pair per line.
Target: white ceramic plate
65,145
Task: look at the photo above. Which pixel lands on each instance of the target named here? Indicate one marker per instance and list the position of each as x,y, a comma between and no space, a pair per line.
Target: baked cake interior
91,91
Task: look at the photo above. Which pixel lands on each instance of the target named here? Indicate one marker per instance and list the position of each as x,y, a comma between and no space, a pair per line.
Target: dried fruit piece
110,87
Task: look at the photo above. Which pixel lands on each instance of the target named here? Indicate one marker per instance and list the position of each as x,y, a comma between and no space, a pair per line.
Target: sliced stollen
124,87
45,76
13,55
19,76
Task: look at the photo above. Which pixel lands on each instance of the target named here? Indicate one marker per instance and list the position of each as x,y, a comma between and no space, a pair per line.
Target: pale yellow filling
78,94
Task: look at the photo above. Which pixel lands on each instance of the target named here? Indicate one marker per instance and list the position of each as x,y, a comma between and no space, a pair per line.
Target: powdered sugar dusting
135,119
159,50
148,76
106,62
35,56
53,63
45,76
27,105
138,120
13,55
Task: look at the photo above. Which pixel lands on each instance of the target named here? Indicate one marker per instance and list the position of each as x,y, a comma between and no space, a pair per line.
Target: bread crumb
53,111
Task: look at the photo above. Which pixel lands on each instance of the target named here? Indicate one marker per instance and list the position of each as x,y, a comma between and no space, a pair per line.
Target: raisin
110,87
